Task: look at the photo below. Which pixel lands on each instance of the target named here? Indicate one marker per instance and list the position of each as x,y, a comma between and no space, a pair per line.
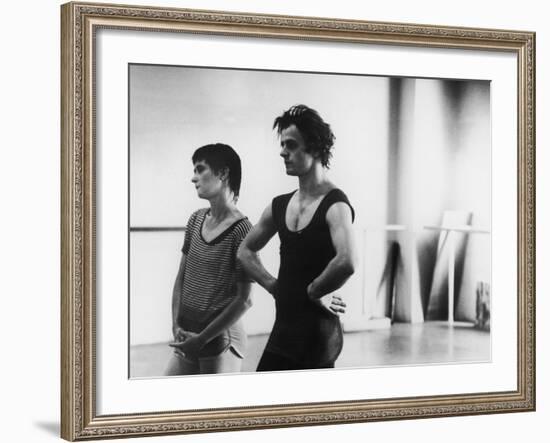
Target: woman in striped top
212,291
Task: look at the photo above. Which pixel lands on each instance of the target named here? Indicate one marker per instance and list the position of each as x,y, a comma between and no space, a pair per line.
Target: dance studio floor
402,344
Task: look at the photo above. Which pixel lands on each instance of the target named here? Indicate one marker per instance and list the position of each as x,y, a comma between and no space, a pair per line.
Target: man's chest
300,212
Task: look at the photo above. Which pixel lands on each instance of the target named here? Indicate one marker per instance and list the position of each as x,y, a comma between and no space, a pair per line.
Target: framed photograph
277,221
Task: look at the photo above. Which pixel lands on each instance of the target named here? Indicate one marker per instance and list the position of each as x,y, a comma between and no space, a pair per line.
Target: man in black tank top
317,251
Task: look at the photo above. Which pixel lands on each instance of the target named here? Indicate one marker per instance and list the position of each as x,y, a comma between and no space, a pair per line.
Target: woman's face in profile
207,183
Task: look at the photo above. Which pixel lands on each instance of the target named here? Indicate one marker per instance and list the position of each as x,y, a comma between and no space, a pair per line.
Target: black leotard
304,332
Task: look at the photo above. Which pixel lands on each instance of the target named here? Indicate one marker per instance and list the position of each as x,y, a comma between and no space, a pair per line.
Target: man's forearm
337,272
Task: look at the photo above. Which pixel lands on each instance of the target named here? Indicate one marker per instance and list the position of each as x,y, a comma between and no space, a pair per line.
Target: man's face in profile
294,152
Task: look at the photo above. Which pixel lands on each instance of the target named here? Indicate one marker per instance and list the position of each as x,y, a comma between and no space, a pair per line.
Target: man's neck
314,182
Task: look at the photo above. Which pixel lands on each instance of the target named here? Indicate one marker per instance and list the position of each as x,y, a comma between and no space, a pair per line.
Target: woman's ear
224,174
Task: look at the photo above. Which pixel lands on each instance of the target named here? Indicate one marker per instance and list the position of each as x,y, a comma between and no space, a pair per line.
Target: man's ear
315,154
312,151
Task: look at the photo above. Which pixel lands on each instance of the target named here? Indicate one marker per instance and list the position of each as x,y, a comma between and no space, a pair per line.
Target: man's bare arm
342,266
256,239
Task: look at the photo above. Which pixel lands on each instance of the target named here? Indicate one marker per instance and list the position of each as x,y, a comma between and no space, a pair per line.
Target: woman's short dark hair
219,157
316,132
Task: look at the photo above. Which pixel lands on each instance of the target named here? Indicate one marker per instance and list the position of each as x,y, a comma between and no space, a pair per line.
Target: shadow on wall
427,256
385,294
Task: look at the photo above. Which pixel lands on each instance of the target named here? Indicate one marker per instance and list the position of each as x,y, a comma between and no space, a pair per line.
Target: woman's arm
192,342
176,296
233,312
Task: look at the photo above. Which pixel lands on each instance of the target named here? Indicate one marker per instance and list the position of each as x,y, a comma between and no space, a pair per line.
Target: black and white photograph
286,220
295,217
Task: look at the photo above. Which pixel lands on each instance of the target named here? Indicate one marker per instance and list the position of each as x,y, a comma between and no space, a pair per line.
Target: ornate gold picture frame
81,22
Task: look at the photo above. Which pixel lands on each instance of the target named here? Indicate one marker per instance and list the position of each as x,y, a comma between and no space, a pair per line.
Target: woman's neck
222,206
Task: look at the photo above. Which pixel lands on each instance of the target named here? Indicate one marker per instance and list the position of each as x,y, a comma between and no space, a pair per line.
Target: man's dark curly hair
316,132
